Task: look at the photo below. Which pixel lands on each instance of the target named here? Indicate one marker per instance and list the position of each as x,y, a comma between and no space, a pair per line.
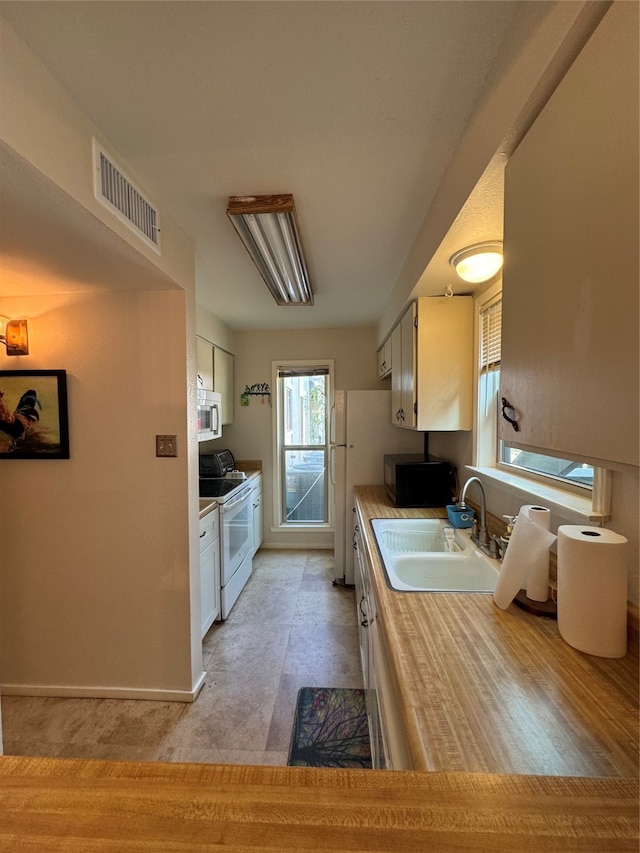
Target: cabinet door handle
512,420
365,621
202,535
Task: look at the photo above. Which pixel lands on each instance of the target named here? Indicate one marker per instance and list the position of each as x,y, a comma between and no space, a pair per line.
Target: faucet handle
494,547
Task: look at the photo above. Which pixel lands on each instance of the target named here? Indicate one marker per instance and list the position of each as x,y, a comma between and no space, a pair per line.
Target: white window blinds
285,372
490,336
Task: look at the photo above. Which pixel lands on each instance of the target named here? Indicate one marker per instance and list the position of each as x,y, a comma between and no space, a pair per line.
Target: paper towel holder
548,608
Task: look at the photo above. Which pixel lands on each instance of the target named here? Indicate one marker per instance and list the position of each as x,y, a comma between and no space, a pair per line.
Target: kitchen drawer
209,529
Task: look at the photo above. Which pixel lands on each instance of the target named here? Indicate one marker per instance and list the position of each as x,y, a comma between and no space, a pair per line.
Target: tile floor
290,628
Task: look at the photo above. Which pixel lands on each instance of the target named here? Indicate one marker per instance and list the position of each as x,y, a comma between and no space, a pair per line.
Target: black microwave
412,480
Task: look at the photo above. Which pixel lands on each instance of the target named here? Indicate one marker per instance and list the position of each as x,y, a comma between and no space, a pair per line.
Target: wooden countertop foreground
52,805
481,689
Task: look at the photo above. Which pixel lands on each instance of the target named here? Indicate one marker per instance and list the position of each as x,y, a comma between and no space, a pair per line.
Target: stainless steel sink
428,555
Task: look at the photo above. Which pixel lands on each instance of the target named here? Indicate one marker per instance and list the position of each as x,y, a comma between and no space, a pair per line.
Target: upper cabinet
432,365
215,373
204,357
404,405
570,284
223,381
384,359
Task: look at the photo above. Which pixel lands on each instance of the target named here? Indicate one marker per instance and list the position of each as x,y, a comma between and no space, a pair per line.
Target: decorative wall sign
34,422
260,389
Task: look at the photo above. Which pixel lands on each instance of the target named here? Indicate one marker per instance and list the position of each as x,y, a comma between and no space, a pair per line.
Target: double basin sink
428,555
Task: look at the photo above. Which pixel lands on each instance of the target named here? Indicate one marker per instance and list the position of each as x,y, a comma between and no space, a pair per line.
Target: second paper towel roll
592,590
538,578
528,541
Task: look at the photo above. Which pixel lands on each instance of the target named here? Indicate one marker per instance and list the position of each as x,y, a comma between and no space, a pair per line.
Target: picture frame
34,419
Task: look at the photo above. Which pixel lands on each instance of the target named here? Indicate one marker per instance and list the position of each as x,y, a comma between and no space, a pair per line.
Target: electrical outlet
166,445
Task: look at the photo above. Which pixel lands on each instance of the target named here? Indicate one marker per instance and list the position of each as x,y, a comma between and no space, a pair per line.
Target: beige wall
99,563
540,45
212,329
251,435
44,125
96,574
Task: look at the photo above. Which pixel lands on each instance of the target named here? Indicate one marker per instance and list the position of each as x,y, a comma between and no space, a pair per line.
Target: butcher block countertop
50,805
480,689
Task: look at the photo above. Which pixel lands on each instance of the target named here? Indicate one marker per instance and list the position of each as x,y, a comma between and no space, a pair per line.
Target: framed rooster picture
34,421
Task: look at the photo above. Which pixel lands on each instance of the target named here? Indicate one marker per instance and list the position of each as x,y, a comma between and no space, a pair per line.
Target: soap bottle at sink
504,539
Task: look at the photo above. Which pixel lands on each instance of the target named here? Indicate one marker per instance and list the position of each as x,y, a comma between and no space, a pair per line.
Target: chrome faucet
481,537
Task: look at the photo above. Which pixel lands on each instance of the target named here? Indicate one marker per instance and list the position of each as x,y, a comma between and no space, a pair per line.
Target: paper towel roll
528,541
592,590
538,579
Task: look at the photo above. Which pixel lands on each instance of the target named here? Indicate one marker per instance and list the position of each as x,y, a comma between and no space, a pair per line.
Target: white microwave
209,415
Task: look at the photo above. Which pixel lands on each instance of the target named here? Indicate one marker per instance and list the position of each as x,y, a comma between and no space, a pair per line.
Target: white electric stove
233,493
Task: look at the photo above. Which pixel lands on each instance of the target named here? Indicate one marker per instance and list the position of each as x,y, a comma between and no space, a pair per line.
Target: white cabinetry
204,358
388,741
384,359
366,615
396,375
215,373
432,365
223,381
256,504
209,569
403,375
570,290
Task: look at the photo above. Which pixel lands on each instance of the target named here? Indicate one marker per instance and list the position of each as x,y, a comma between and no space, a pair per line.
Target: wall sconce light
268,228
15,337
479,262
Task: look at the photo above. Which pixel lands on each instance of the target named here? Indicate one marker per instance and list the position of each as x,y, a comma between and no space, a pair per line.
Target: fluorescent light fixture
268,228
479,262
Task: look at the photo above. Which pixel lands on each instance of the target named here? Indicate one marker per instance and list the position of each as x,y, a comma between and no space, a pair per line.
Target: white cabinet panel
209,569
223,382
386,732
384,360
408,400
432,372
256,503
570,284
204,358
396,375
215,373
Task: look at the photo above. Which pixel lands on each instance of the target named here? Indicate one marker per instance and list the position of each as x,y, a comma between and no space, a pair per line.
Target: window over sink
571,475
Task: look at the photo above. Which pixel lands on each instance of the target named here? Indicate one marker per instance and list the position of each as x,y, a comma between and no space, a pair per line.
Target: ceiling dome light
479,262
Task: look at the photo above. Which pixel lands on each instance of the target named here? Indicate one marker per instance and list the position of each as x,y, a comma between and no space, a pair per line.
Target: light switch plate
166,445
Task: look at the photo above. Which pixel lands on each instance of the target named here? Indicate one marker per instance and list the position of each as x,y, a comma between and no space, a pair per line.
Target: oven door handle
231,504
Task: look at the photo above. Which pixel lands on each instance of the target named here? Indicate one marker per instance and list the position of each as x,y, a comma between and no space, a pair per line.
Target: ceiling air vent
118,192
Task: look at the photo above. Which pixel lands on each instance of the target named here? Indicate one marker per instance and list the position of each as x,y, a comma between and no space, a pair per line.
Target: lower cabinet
256,504
209,569
388,742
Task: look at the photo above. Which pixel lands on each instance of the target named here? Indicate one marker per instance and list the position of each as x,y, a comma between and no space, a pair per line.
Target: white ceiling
354,107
